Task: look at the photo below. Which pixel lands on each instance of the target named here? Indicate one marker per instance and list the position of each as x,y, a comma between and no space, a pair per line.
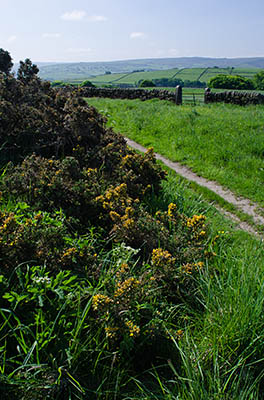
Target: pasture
192,74
221,142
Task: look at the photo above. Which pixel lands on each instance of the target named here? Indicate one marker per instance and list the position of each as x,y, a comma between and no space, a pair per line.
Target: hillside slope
68,71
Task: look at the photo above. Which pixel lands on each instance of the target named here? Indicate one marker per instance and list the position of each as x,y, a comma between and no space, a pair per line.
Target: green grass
222,352
220,142
133,77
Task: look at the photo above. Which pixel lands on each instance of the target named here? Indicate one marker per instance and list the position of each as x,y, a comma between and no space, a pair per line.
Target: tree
259,80
27,71
5,61
87,84
231,82
147,83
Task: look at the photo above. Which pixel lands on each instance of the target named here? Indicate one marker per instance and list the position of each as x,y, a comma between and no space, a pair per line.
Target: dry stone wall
120,93
234,97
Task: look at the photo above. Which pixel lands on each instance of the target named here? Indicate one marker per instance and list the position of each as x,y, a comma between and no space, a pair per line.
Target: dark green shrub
146,83
5,61
231,82
259,80
87,84
36,237
27,71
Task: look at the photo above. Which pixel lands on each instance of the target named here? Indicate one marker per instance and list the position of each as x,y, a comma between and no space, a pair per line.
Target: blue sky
105,30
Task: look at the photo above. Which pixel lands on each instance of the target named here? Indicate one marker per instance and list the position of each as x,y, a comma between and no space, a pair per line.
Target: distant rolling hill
86,70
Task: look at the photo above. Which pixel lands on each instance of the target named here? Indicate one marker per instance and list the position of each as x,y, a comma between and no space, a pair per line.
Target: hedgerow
92,280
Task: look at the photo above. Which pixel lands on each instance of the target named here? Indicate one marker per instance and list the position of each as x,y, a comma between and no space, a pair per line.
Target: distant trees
5,61
146,83
231,82
168,82
194,84
87,84
259,80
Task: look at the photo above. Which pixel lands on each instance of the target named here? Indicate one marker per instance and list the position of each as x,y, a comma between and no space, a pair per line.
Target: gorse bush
92,278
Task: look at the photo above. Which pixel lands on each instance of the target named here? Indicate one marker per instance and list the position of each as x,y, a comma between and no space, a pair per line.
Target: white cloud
97,18
137,35
75,15
78,50
11,38
51,35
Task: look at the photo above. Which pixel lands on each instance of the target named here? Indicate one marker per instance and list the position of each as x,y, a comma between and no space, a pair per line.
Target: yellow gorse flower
133,329
172,209
123,288
195,221
100,300
161,257
111,331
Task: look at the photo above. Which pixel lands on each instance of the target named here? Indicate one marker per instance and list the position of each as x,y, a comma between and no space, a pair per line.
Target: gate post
178,95
207,95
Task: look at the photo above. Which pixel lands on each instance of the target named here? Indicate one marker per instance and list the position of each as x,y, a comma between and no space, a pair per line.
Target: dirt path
242,204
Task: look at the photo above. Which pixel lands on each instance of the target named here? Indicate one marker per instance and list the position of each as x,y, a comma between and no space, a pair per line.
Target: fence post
178,95
206,93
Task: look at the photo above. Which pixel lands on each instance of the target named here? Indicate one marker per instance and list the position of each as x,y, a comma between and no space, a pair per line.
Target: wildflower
187,268
127,222
161,257
199,265
69,252
196,220
133,329
179,333
100,300
172,209
124,267
42,279
114,216
126,286
111,331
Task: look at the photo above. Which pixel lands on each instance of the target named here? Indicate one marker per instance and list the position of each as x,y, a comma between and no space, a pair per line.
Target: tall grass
221,351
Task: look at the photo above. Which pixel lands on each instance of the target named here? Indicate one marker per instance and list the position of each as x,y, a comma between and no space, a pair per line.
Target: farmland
86,70
191,74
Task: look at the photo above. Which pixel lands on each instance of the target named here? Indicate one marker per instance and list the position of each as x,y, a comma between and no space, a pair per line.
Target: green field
192,74
132,78
220,142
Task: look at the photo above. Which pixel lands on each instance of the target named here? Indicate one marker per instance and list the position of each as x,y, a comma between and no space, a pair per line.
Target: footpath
242,204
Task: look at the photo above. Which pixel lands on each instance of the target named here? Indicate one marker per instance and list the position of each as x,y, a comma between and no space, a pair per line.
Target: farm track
242,204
